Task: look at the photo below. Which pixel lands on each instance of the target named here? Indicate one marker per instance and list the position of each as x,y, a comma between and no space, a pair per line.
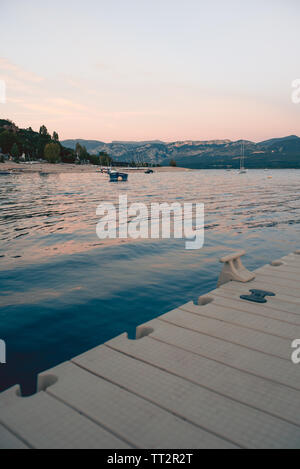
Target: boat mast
242,160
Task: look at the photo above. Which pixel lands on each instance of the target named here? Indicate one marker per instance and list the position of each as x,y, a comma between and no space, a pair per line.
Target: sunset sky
151,69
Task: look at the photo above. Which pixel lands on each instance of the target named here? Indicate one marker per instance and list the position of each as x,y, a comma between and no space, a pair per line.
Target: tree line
41,145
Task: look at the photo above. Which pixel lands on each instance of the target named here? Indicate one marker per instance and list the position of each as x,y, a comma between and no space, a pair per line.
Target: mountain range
274,153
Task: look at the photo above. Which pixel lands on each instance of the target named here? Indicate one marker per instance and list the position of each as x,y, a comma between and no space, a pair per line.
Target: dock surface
217,374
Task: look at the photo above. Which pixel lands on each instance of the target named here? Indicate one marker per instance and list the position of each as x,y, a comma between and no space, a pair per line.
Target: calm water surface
64,291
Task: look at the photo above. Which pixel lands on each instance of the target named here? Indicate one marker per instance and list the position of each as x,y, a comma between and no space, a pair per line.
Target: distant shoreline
73,168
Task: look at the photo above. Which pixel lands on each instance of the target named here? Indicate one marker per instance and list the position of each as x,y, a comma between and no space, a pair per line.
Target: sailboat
242,170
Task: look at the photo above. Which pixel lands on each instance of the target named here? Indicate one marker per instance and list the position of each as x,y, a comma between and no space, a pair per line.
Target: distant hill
126,142
90,145
278,141
275,153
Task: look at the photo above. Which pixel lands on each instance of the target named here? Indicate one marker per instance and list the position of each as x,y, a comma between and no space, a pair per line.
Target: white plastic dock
214,375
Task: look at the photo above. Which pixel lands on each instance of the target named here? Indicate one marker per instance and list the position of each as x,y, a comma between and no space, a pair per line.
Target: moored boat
115,176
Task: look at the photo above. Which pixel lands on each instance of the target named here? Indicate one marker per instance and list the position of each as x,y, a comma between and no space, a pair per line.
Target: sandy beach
71,168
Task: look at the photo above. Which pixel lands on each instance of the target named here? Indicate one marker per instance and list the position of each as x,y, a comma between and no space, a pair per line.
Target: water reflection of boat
115,176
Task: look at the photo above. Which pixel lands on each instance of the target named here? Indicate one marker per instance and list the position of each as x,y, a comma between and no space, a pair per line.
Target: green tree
55,136
52,152
83,154
67,155
43,131
172,163
15,152
94,159
7,139
78,149
105,159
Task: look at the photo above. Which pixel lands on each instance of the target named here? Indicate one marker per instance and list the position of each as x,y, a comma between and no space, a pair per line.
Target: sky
151,69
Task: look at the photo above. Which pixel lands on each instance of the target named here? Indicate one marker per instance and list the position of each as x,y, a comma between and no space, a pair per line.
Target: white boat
242,170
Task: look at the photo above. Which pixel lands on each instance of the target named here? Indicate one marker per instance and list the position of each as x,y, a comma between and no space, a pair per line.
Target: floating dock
217,374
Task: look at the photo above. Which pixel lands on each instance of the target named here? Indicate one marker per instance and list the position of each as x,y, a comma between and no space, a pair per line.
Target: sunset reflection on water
63,290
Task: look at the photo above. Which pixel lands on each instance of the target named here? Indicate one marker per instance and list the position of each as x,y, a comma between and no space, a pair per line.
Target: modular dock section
216,374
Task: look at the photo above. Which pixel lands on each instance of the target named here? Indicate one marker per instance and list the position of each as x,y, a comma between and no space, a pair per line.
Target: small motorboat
5,173
115,176
149,171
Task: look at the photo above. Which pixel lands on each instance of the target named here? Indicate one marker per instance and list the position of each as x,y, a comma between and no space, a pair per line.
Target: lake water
64,291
